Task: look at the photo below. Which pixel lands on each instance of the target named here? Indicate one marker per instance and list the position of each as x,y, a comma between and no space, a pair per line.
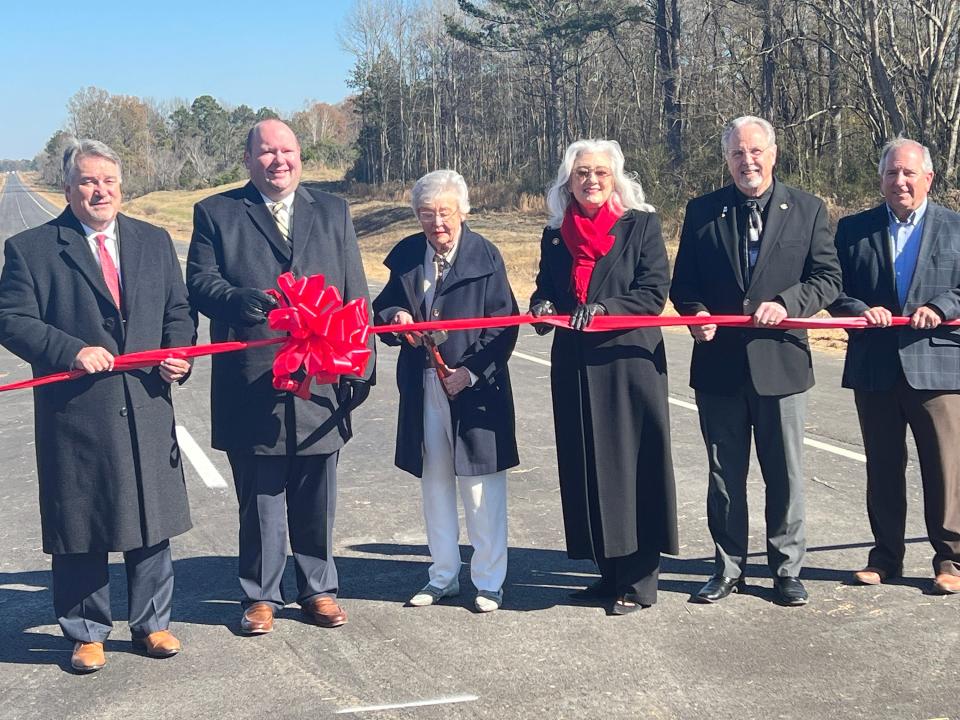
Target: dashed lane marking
817,444
201,463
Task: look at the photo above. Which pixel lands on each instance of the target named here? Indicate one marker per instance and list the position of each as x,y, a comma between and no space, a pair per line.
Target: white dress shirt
110,243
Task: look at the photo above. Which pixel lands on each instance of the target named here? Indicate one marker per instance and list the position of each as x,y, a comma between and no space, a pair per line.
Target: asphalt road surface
853,652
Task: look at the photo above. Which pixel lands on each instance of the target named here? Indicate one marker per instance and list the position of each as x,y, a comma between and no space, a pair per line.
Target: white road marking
22,219
826,447
416,703
30,195
20,587
201,463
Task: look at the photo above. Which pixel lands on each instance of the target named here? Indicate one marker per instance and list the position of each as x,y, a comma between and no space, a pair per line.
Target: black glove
251,305
544,307
583,315
353,393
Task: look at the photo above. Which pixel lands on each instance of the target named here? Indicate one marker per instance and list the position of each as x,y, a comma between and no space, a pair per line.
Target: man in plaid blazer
903,258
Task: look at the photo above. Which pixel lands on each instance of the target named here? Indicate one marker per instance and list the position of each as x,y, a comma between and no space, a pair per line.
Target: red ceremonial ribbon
327,338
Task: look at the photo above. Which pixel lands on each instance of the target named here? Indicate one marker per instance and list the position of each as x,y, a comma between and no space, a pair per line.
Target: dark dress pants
934,420
777,423
277,493
81,592
637,573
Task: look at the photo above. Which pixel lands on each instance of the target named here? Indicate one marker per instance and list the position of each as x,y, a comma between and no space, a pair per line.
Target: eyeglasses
584,174
754,153
429,216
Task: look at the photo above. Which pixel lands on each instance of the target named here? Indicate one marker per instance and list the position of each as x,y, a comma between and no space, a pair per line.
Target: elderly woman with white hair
456,420
603,254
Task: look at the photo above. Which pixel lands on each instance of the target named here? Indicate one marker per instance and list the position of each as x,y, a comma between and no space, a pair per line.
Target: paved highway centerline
201,463
826,447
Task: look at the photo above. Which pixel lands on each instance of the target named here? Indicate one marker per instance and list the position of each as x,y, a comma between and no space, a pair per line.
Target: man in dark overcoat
283,449
468,439
903,258
86,286
756,247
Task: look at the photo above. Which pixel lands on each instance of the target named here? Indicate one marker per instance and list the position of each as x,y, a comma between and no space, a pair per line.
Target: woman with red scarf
603,254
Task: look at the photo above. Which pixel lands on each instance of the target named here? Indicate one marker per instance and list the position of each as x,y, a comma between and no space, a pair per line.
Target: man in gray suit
903,258
283,449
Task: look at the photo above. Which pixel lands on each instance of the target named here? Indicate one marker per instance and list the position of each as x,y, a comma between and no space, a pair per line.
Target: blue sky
240,52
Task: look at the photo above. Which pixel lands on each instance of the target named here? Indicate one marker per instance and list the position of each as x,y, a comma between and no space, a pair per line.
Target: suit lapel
260,215
130,245
928,242
304,218
412,279
879,229
778,211
726,224
78,252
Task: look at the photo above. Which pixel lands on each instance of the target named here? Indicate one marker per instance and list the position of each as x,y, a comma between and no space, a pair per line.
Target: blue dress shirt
905,245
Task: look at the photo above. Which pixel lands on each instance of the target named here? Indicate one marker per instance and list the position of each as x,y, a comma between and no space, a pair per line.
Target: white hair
735,125
436,183
76,149
626,185
896,144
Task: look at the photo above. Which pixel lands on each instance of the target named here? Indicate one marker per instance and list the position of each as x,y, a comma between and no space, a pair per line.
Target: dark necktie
441,264
752,238
108,268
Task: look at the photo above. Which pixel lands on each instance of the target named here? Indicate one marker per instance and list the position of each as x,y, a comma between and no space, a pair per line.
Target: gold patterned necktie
282,217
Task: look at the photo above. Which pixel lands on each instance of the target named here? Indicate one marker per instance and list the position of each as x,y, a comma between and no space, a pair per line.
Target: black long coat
482,415
236,243
797,267
107,458
610,398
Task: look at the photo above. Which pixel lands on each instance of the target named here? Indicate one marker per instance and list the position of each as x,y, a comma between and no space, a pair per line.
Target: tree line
178,145
498,88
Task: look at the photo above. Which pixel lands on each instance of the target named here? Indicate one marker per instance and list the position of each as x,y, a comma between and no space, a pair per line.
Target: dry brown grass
383,218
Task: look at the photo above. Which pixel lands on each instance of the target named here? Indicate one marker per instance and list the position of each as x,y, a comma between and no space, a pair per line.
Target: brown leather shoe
257,619
159,644
870,576
946,584
87,657
324,611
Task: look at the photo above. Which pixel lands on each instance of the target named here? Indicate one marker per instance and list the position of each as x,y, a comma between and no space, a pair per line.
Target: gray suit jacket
930,359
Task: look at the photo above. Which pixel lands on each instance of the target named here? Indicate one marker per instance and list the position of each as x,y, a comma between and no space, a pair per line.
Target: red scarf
588,240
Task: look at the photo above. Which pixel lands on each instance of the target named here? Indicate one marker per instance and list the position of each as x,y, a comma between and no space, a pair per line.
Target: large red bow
327,338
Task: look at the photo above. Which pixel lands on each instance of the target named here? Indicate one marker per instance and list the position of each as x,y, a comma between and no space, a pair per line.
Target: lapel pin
556,241
783,206
723,213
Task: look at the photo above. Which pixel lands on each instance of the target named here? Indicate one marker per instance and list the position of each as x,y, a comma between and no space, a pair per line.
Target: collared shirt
905,247
288,201
110,243
749,250
430,270
430,281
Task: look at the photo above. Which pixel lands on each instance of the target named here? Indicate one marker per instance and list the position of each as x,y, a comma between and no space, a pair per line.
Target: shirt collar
448,256
761,201
913,218
110,231
288,201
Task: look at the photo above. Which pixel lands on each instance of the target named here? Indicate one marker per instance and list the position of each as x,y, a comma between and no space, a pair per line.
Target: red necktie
108,268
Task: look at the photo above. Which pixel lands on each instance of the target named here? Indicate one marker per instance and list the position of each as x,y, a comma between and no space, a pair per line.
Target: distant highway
21,209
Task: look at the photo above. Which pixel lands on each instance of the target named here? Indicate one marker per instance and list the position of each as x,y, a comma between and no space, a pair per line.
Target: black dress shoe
626,604
790,591
600,590
718,587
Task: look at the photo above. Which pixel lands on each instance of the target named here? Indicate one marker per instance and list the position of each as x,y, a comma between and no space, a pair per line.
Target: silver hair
76,149
896,144
735,125
626,185
435,183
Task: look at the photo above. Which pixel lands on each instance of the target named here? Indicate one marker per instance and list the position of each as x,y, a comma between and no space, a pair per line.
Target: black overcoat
610,397
107,458
797,267
236,243
482,415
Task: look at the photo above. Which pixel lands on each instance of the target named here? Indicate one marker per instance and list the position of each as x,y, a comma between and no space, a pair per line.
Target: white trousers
484,502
